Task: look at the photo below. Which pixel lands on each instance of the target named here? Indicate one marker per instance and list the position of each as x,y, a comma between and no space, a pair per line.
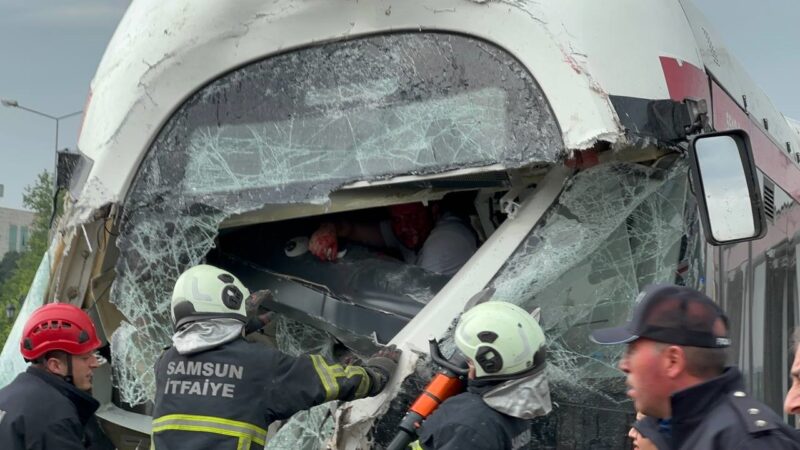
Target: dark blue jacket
225,397
465,421
719,414
41,411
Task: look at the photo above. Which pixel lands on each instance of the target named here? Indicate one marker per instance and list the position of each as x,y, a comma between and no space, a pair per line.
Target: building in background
14,229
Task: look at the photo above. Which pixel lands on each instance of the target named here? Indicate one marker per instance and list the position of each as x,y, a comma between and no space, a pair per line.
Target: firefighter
214,390
505,350
48,406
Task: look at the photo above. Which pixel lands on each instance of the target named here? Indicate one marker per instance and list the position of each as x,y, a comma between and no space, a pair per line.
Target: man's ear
56,366
674,361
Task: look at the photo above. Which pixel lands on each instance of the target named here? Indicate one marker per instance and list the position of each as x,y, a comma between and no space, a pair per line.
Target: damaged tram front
228,135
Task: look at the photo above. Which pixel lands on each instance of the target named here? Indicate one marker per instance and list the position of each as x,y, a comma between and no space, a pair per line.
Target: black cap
673,315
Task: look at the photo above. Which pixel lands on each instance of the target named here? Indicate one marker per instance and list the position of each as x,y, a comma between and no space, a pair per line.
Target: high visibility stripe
213,419
329,375
246,432
326,375
363,386
415,446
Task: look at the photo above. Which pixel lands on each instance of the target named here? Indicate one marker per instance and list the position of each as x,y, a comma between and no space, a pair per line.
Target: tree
8,264
39,199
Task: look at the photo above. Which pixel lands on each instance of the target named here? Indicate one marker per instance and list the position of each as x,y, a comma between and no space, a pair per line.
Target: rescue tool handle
401,441
440,360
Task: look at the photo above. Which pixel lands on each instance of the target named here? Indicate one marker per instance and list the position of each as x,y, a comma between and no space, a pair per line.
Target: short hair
703,362
58,354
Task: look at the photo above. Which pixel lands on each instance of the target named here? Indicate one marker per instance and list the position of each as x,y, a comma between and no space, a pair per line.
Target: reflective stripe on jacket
226,397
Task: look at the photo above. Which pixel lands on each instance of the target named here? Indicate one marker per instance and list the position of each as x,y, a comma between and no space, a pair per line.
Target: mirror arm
674,122
698,114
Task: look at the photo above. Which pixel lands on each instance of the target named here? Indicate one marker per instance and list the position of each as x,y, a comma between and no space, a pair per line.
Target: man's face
82,367
649,388
792,403
411,224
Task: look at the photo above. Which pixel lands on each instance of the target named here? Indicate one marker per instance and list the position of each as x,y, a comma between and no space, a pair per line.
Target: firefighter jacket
719,414
465,421
226,397
41,411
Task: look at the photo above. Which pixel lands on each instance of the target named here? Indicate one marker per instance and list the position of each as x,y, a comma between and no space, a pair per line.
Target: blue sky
49,52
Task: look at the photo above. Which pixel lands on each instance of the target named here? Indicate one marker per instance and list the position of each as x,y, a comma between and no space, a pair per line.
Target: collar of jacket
480,387
84,403
691,405
525,397
203,335
652,428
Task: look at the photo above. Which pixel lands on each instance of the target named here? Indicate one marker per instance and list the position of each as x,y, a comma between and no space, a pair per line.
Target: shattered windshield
615,229
362,109
292,129
461,129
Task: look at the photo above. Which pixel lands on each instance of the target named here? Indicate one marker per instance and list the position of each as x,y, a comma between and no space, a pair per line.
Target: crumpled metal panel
293,128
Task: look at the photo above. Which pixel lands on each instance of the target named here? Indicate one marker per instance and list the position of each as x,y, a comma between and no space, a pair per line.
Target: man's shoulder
752,416
466,409
31,397
450,226
28,385
453,404
739,418
459,414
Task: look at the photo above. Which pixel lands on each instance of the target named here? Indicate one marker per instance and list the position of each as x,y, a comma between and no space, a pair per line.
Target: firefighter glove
382,366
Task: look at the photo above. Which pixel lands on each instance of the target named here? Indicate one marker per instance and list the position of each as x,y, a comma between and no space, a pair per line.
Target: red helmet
58,326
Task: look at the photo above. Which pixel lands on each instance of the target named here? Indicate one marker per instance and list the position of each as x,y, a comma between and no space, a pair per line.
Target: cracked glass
615,229
292,129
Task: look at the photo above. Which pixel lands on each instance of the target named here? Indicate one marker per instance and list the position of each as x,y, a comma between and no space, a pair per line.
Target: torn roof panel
163,52
155,62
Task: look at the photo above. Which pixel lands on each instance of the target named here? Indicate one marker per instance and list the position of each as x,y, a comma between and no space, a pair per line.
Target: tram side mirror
726,187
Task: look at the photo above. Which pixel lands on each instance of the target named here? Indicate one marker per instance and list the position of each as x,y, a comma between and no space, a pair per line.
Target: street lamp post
15,104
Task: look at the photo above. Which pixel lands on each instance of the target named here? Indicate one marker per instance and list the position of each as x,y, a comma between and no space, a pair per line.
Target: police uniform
719,414
465,421
225,397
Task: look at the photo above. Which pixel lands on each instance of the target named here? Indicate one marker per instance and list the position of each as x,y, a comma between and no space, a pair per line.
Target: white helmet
502,339
204,292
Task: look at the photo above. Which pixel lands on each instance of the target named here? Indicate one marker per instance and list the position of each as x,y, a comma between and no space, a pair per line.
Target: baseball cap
674,315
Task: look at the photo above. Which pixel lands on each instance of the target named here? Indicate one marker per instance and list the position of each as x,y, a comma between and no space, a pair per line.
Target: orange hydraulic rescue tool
449,381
